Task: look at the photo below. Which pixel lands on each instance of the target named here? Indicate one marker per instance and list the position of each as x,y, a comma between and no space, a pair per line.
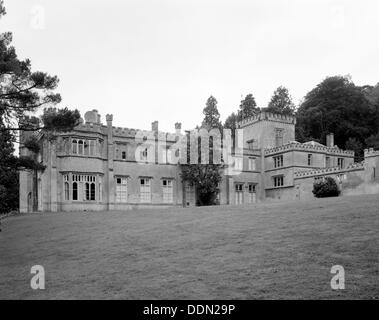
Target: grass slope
268,251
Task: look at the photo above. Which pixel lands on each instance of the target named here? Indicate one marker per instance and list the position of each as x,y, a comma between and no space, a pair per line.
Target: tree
23,91
336,105
373,141
211,115
206,179
326,188
356,146
248,107
281,102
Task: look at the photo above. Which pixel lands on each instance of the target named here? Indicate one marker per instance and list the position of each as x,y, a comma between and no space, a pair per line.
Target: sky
146,60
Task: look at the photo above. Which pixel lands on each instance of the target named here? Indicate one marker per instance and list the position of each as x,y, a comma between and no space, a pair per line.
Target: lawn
267,251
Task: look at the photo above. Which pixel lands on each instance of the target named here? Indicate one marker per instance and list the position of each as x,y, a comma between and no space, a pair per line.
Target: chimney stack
178,128
330,140
154,126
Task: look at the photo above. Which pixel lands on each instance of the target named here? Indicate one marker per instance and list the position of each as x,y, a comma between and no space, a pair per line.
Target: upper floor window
278,161
143,155
340,162
83,147
279,132
123,155
327,162
252,165
238,163
309,159
278,181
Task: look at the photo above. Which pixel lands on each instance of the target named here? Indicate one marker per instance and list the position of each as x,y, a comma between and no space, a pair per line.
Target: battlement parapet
266,116
332,170
131,133
308,147
371,153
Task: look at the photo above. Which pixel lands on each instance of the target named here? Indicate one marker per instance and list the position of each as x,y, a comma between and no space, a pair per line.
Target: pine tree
211,114
248,107
281,102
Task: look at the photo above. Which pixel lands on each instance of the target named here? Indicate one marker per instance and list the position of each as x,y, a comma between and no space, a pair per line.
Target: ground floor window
121,190
66,187
167,190
278,181
145,190
239,193
81,187
252,192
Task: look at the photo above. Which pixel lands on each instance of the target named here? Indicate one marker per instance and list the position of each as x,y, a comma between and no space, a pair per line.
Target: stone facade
102,167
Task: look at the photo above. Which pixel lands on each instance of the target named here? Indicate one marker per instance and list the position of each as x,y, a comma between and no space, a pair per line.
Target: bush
326,188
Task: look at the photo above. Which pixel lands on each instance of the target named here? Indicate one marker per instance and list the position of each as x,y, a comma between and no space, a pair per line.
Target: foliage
357,147
32,144
205,178
23,91
337,105
281,102
373,141
248,107
326,188
211,115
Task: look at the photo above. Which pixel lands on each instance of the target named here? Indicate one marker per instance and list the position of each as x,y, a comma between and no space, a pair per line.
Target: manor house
96,167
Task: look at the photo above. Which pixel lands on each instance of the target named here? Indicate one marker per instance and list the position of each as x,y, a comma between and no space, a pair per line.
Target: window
91,147
279,137
238,193
123,155
278,161
169,156
80,147
74,191
309,159
66,187
340,162
251,144
167,191
327,162
278,181
74,146
238,163
252,164
143,155
89,187
122,190
252,188
86,148
145,191
83,147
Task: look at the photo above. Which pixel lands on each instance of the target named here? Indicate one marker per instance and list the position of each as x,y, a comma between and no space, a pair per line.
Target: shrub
326,188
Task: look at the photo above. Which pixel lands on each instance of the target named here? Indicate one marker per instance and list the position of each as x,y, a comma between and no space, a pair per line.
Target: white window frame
145,190
168,190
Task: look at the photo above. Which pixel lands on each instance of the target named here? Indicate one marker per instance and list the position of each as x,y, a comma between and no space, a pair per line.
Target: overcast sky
145,60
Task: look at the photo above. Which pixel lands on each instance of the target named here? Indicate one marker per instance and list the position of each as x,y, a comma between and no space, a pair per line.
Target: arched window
87,191
66,191
74,147
75,191
91,147
93,191
86,147
80,147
